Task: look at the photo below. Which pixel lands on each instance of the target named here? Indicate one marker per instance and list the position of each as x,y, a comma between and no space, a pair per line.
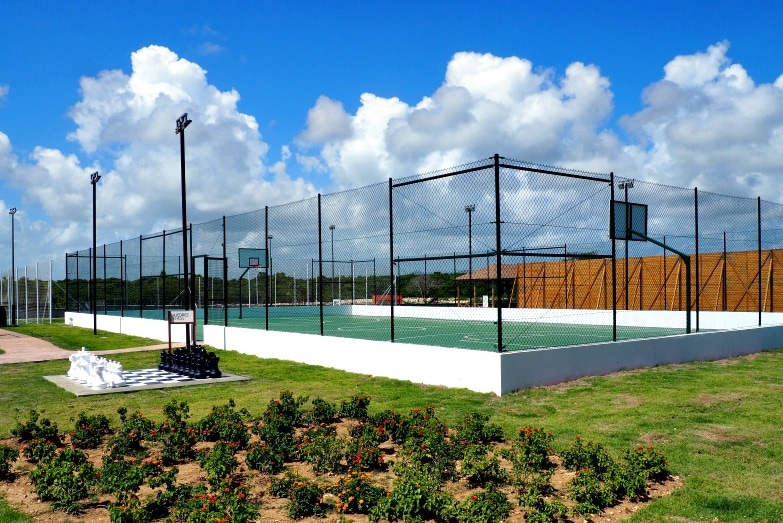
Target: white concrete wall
148,328
549,366
665,319
473,370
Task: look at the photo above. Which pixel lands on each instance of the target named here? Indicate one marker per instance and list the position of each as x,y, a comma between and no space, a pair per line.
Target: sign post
183,318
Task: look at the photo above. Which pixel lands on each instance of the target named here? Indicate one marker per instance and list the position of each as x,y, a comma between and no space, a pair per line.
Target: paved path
21,348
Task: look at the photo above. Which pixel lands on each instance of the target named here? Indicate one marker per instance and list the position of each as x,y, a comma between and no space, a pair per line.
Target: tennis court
464,334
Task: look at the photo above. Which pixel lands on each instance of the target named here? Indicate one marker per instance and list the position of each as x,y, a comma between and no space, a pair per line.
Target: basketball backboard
252,258
627,218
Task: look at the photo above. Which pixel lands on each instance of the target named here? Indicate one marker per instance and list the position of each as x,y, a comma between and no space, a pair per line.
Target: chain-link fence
495,255
33,294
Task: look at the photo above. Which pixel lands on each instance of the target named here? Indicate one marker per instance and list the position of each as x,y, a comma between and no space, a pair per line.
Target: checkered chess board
136,378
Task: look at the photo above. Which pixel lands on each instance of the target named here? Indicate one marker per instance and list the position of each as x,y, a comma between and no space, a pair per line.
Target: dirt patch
707,400
719,434
20,494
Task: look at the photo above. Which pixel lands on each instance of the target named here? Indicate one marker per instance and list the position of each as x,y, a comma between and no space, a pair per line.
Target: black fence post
696,244
164,276
498,257
392,286
614,258
266,264
141,277
320,268
225,276
122,281
758,214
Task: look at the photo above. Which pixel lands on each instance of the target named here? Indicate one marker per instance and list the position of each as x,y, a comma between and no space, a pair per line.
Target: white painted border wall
499,373
665,319
148,328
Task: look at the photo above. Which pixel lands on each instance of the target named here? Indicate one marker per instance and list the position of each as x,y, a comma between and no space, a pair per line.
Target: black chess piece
165,360
176,361
212,369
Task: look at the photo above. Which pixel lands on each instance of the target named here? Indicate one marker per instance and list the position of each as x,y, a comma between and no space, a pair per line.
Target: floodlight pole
331,228
469,209
12,279
94,179
628,184
182,123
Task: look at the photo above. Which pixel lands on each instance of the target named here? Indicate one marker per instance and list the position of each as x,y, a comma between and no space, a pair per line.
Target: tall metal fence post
392,286
320,285
105,301
225,276
123,288
696,244
614,258
266,264
758,214
164,275
51,292
141,276
498,257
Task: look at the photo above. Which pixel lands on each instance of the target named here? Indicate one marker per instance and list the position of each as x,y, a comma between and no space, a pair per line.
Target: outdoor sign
182,318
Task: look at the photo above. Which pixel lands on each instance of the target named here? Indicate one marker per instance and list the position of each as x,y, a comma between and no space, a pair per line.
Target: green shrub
488,506
224,423
218,462
89,430
176,436
648,461
474,429
587,455
37,428
321,412
356,493
481,467
263,458
355,407
7,456
39,451
64,480
416,497
323,451
223,503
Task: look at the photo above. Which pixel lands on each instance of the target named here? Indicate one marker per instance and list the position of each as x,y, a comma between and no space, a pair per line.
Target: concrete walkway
20,348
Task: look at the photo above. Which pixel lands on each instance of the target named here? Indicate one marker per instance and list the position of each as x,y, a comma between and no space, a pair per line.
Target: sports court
463,333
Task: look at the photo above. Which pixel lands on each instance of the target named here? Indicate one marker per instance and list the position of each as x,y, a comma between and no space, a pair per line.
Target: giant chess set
176,366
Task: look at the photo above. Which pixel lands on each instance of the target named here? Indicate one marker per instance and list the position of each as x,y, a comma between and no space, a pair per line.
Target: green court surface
464,334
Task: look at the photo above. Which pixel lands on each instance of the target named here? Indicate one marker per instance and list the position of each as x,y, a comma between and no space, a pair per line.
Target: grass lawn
717,422
74,338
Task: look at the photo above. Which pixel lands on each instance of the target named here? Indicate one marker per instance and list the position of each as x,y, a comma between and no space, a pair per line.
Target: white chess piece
96,380
113,374
80,362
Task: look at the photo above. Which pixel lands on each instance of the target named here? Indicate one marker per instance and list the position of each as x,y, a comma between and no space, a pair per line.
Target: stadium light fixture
182,123
469,209
12,279
94,179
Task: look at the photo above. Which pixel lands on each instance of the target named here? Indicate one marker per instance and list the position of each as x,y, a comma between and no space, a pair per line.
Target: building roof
508,271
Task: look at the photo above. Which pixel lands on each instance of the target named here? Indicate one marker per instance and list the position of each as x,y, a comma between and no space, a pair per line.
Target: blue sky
294,98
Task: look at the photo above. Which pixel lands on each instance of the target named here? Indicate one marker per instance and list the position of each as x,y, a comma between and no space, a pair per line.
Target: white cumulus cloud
707,124
486,104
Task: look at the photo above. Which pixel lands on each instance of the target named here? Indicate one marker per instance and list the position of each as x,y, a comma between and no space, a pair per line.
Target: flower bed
303,460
